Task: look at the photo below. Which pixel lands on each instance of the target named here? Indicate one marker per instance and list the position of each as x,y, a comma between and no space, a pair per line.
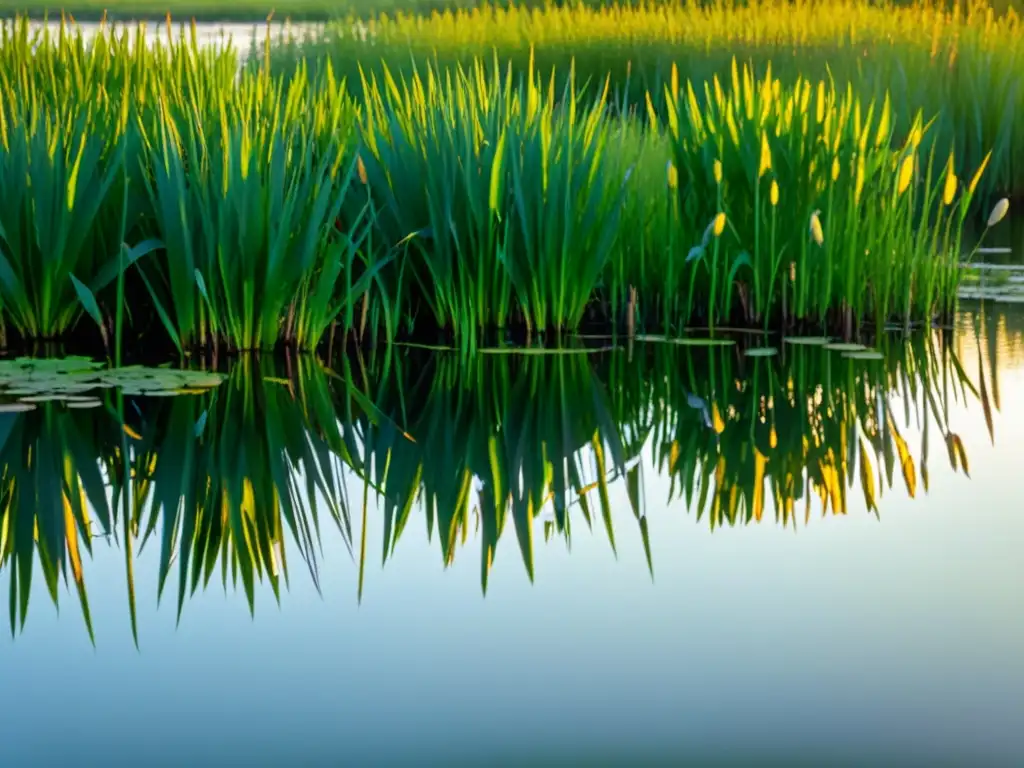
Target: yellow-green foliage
249,208
962,65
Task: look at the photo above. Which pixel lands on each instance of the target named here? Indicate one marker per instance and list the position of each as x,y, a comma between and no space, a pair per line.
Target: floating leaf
91,403
20,407
809,341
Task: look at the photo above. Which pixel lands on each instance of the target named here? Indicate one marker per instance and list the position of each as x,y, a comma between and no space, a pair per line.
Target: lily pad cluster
78,381
848,350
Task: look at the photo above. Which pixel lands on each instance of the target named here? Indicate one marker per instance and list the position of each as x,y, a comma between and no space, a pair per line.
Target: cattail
906,174
835,169
766,157
949,191
773,194
673,175
715,228
998,212
816,233
719,222
361,170
717,170
859,183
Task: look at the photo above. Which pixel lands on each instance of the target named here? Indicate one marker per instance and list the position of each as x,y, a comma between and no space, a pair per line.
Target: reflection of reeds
217,479
735,435
228,480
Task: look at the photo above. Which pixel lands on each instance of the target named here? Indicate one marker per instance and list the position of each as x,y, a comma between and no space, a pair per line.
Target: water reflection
226,484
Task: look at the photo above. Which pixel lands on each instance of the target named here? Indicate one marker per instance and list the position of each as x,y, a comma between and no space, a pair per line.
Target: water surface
644,554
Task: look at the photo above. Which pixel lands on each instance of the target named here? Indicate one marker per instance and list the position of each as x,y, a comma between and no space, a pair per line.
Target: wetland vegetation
699,293
533,190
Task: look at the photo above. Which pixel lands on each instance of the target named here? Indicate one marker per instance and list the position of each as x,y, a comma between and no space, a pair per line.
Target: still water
616,556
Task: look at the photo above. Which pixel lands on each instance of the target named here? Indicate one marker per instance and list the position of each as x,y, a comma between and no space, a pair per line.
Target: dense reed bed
524,448
299,10
162,188
957,62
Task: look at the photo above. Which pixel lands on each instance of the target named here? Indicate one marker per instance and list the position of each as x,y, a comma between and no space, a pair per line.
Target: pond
643,552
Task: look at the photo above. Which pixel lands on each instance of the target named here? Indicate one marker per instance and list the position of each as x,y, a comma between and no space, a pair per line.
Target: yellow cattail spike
817,235
766,157
859,184
998,212
773,194
978,174
949,190
906,174
719,224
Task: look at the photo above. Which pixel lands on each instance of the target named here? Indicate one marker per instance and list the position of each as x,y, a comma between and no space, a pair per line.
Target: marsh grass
957,62
242,209
236,184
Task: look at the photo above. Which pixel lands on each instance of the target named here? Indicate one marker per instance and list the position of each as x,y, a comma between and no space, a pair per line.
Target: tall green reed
239,208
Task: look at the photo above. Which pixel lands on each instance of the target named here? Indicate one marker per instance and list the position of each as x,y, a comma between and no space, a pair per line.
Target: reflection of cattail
817,235
835,169
673,175
773,195
999,212
361,169
717,170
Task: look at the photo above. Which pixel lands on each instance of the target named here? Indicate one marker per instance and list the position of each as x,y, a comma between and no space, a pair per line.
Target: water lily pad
85,403
686,341
20,391
845,347
57,363
808,341
57,378
537,351
16,407
697,342
762,352
865,354
40,398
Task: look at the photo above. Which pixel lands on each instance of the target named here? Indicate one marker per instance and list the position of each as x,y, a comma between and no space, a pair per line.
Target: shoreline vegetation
298,200
323,10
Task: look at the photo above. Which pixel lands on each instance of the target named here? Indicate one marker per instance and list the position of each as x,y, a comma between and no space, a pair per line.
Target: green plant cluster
244,209
959,62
